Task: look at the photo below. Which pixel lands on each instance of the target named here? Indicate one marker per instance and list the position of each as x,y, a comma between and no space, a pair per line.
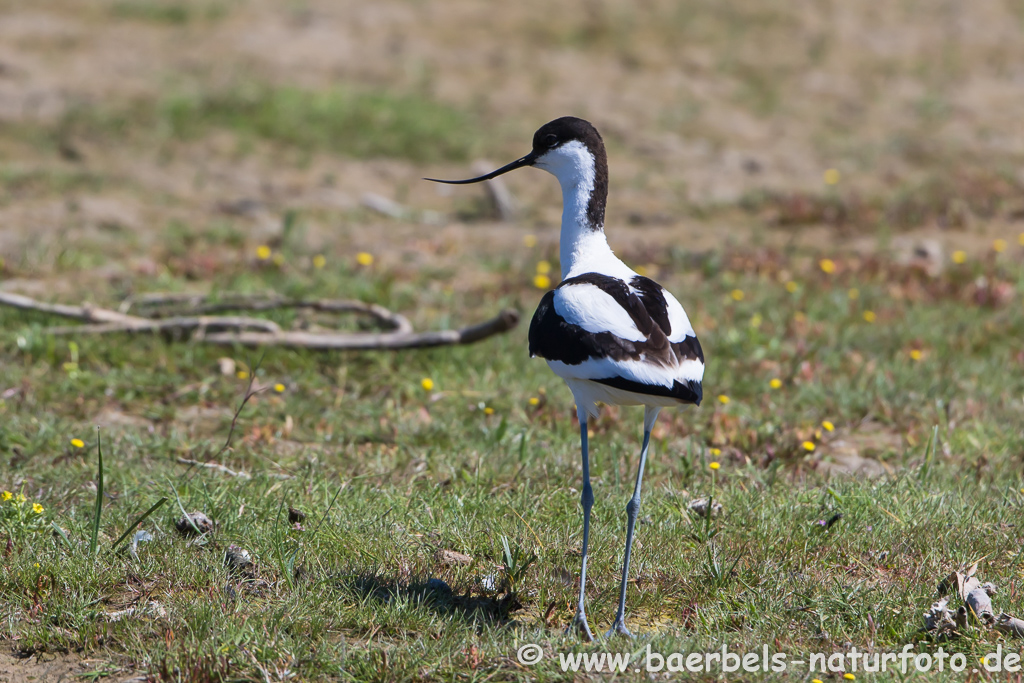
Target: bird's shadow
437,596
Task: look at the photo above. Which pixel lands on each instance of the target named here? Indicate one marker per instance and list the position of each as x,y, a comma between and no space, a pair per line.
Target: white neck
582,246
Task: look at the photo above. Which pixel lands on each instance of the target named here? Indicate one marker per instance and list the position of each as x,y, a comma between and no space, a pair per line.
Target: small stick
503,322
183,324
505,204
86,312
200,305
214,466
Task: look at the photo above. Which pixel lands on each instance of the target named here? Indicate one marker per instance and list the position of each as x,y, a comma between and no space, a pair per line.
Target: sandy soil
46,668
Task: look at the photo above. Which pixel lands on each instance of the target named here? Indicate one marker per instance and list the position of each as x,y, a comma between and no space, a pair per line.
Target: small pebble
198,521
700,507
452,557
238,559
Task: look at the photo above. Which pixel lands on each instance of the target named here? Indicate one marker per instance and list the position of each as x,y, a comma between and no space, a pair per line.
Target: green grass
351,121
167,11
397,475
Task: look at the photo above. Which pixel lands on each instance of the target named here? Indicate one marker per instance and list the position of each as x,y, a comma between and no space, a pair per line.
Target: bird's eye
550,139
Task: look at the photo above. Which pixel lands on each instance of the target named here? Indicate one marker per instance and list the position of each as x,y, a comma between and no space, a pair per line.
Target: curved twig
202,305
247,331
201,324
85,312
503,322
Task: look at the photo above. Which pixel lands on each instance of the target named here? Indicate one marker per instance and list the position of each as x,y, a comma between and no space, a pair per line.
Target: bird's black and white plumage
618,341
614,336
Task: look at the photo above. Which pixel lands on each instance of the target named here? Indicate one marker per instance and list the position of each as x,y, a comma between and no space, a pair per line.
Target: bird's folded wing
598,328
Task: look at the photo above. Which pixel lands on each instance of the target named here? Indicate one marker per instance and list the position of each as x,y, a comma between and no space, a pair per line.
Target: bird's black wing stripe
688,349
689,391
653,298
553,338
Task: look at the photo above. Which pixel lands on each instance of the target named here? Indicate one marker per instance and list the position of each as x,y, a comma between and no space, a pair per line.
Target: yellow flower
488,411
1020,239
534,401
959,256
20,498
853,294
35,565
427,384
869,316
827,265
242,374
278,260
530,240
723,399
791,287
77,443
7,495
849,677
831,176
715,451
641,271
364,258
999,246
808,445
541,281
37,508
817,680
799,316
756,320
714,465
543,267
279,388
775,383
263,252
829,427
736,294
916,354
319,261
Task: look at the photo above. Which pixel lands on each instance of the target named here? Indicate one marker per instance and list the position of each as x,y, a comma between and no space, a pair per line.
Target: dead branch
200,305
86,312
200,324
213,466
504,202
217,467
193,317
504,322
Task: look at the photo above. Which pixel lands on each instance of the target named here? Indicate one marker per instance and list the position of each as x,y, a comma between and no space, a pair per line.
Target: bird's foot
579,622
619,627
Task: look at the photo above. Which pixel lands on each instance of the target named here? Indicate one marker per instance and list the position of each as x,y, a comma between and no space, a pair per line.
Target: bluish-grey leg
632,509
587,501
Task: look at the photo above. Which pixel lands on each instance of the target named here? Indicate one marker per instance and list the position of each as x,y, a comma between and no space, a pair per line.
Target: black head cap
566,129
553,135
